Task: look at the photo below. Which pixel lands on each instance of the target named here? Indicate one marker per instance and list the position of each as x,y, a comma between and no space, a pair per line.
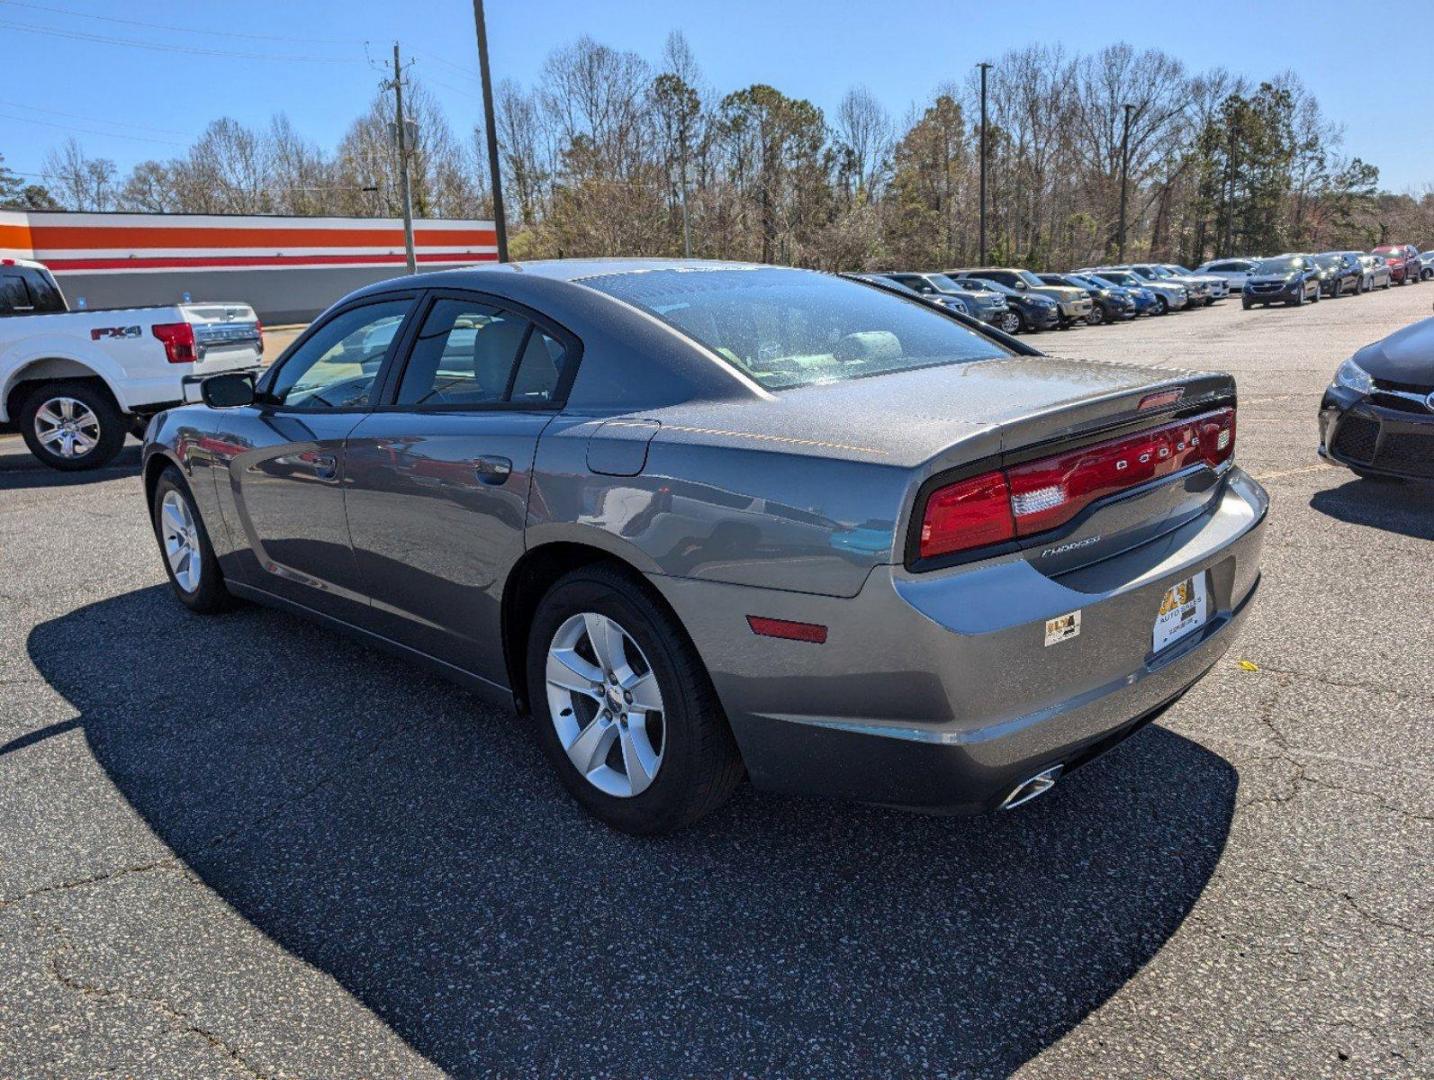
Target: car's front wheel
1096,316
189,557
72,426
1162,306
1011,323
624,707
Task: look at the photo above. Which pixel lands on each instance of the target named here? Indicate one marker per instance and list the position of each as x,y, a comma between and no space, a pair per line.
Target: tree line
609,153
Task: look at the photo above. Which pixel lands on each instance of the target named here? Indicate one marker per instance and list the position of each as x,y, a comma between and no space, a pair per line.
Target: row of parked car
1021,301
1297,277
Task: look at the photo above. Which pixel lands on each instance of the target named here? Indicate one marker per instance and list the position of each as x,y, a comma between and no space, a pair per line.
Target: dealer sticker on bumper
1183,610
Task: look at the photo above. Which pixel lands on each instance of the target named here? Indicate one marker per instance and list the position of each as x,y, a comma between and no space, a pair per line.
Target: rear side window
786,328
15,298
470,354
43,292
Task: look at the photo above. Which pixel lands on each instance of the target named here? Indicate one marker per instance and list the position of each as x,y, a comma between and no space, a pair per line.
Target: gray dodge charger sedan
700,520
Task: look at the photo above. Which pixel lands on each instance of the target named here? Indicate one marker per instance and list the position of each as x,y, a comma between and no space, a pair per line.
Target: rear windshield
787,328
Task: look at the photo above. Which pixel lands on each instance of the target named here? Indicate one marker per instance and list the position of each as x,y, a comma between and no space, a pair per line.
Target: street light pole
1124,176
495,173
400,138
984,67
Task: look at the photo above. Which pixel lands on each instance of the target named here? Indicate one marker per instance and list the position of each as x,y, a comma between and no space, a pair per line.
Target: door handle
492,469
326,468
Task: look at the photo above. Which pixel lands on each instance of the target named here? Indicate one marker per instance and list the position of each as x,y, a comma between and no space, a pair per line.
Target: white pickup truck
76,382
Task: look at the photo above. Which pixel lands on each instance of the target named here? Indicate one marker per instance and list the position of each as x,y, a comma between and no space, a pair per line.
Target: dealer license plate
1183,610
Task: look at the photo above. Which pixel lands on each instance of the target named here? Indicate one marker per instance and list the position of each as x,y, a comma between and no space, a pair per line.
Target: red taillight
178,339
785,628
970,513
1039,495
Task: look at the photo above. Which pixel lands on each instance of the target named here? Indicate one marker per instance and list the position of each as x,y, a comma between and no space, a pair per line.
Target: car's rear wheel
625,709
189,557
72,426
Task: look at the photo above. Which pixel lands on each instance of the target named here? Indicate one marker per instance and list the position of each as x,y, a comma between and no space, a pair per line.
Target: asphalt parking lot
246,847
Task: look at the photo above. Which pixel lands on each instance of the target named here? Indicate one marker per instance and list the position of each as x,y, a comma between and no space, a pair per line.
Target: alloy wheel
67,427
1010,322
181,540
605,704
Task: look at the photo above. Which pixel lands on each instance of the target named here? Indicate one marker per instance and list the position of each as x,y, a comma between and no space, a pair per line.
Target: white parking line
1265,478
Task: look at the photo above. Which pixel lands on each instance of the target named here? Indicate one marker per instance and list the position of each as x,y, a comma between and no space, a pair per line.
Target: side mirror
228,391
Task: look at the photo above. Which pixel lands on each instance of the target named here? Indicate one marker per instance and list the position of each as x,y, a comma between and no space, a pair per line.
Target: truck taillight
1036,496
178,339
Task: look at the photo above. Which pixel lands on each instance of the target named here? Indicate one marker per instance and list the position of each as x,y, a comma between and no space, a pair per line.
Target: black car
1286,279
1343,273
1107,303
1034,311
1377,417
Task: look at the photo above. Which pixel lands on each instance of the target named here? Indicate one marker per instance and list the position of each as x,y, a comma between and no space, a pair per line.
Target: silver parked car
1233,271
705,519
1377,274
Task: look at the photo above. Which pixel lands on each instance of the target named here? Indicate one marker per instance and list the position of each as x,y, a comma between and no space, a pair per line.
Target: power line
179,29
89,131
92,119
104,39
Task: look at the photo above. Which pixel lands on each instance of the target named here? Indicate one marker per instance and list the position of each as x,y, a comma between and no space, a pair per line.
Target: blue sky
129,103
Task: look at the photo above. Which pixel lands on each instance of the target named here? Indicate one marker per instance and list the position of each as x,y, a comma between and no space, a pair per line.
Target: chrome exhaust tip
1031,788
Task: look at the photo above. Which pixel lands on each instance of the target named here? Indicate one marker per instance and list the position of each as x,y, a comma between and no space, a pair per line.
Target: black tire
1388,281
1299,300
209,596
1426,273
1338,290
1316,298
1247,305
1359,287
1096,316
1162,305
1012,323
700,765
108,431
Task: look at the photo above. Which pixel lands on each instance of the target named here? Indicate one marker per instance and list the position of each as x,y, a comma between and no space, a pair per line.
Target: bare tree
79,182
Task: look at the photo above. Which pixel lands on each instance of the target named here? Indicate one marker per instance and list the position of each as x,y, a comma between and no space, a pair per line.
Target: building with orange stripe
287,268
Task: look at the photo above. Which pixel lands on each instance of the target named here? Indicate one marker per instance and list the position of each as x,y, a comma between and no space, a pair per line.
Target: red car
1403,261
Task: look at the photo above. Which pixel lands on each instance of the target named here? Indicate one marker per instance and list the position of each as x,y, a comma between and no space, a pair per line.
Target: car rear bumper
938,691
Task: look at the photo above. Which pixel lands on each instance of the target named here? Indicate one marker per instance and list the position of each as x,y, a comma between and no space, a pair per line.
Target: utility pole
401,141
1124,177
1234,174
984,67
495,172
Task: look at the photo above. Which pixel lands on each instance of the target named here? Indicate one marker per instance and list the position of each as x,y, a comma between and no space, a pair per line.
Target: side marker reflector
785,628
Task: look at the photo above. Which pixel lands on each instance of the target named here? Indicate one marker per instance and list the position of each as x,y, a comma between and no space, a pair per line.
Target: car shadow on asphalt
1404,507
412,842
19,470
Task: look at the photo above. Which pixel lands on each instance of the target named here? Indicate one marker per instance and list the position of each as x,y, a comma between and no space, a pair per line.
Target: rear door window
471,354
15,298
43,291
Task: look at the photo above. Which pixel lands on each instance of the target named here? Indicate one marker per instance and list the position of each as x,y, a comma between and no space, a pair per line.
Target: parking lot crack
177,1017
93,879
1349,900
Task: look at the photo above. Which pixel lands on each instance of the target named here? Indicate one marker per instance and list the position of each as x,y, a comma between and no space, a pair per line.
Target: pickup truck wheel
72,426
189,558
624,707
